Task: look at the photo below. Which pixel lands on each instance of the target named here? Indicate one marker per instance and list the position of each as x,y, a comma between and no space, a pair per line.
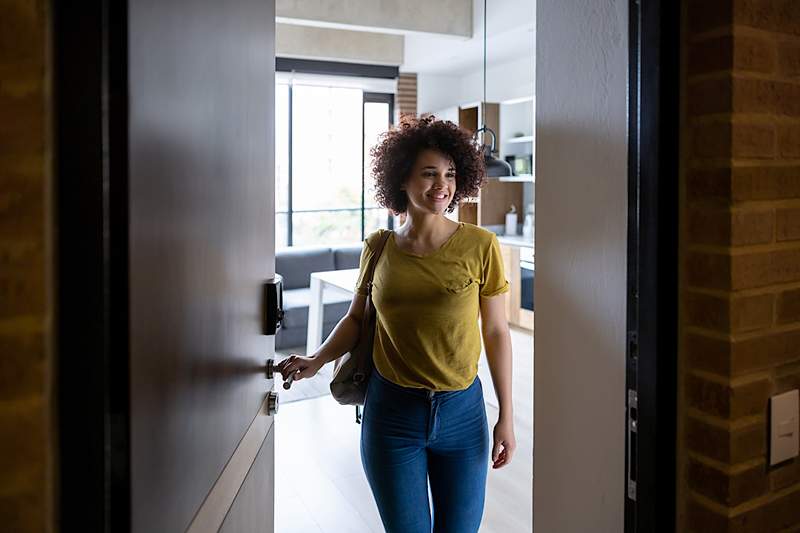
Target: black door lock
273,305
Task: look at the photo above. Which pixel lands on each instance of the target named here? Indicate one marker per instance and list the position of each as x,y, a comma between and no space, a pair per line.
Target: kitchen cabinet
516,260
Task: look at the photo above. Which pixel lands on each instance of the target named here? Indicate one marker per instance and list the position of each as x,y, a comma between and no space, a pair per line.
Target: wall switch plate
784,426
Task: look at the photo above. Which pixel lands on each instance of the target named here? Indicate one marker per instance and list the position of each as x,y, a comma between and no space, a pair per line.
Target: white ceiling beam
308,42
446,17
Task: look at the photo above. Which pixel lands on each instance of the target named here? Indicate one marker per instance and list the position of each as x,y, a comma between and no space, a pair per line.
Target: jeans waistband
423,393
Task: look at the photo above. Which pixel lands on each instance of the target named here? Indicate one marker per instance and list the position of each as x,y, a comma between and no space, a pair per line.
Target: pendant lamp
495,168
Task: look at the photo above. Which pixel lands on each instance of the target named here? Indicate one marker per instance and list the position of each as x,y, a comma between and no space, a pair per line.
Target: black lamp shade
496,168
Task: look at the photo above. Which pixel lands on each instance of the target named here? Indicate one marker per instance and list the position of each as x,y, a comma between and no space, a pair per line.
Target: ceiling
510,27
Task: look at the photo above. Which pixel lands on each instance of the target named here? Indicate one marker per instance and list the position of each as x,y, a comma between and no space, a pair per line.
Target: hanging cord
483,103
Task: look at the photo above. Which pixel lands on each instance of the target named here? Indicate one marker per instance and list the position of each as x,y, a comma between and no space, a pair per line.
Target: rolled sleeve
494,280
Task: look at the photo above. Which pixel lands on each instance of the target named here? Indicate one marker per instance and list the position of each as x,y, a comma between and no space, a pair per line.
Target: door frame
92,376
653,216
90,134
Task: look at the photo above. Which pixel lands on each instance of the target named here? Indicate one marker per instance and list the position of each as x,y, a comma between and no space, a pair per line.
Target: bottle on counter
511,221
527,227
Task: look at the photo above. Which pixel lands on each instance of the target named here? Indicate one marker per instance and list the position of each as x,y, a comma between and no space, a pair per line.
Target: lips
438,195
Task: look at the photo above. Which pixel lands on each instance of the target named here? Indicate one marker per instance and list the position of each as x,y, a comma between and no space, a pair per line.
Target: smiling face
432,183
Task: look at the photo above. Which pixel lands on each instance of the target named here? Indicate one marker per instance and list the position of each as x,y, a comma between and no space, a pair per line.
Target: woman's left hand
504,443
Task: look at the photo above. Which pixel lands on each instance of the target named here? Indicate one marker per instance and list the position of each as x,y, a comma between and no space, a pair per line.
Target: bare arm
497,342
343,337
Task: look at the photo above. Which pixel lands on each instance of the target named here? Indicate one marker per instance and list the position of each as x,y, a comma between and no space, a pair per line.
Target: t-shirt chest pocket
460,285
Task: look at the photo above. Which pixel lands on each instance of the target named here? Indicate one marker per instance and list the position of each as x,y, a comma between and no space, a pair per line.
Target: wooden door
201,186
165,165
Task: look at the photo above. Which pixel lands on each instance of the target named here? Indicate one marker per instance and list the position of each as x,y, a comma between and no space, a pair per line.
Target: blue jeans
409,436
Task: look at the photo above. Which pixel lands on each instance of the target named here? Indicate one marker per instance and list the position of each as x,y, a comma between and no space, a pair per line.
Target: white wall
504,81
435,92
581,187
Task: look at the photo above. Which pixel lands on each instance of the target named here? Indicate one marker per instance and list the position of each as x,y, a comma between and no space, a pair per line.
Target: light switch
783,426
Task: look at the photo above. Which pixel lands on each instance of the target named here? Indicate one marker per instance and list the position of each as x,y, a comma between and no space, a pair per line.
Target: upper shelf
524,139
521,177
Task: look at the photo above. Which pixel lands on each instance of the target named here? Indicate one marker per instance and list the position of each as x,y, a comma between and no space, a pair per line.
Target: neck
424,226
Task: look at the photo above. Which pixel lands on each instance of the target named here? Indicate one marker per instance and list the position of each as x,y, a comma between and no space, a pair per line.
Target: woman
424,416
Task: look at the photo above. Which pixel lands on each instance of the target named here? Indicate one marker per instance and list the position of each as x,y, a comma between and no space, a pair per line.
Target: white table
339,280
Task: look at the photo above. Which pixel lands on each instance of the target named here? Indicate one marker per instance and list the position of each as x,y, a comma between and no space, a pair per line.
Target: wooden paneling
201,166
468,118
492,121
468,212
496,197
516,314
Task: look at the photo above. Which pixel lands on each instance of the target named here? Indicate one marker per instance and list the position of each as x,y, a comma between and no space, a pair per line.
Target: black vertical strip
632,318
653,289
117,261
289,217
363,155
335,68
78,186
90,146
390,223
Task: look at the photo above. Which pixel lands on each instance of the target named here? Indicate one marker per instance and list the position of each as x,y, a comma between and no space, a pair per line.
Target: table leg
314,335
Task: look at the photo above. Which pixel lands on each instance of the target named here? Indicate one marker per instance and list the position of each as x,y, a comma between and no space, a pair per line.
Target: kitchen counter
516,240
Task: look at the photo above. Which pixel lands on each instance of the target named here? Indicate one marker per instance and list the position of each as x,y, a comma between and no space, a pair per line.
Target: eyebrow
437,168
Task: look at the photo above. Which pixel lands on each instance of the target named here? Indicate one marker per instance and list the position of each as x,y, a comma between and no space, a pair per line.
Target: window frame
367,97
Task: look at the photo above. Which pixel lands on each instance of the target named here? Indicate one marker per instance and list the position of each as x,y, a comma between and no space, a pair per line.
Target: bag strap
374,260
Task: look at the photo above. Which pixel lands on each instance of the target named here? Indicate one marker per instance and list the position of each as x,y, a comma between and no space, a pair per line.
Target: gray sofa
296,264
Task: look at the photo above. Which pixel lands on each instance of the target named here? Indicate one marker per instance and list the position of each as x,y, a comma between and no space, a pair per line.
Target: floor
319,480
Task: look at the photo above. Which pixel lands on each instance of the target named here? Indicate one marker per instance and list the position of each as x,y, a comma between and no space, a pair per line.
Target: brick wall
406,97
741,261
26,435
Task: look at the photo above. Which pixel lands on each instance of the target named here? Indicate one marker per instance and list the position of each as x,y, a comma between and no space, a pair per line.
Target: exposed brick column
740,291
406,98
26,361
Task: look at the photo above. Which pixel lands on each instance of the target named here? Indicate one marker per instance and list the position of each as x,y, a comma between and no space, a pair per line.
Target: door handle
269,370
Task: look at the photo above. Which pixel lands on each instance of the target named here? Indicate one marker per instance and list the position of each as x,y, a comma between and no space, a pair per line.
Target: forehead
433,158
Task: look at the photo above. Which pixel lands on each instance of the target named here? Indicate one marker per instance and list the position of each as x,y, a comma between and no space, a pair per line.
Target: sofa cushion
296,337
295,306
347,256
296,264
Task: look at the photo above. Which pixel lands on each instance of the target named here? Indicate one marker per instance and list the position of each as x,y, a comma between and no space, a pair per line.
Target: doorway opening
329,112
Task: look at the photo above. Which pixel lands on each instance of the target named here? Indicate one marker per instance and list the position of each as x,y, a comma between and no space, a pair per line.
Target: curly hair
396,153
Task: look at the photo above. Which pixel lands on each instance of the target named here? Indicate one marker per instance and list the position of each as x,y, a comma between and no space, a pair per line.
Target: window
323,135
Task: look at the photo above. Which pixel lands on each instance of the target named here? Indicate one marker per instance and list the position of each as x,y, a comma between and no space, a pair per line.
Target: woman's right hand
299,365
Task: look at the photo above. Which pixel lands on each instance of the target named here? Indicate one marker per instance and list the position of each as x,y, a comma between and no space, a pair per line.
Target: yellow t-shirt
427,307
